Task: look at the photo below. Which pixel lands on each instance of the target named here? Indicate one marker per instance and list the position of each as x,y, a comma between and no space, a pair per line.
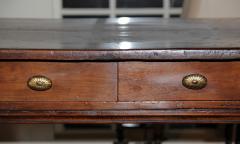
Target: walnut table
120,70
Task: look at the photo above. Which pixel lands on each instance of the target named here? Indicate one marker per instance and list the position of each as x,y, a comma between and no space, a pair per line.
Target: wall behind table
211,9
30,9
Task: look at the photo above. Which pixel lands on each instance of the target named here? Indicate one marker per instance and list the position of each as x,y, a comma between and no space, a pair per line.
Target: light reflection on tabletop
119,33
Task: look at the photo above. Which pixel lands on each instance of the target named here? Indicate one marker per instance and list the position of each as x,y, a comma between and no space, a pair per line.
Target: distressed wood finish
106,72
157,81
118,106
71,81
110,34
46,117
111,55
106,39
129,116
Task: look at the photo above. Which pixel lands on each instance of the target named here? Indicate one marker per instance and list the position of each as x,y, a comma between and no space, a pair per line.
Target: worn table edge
147,54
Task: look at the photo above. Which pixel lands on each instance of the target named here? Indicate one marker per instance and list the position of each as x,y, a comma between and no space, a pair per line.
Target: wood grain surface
123,55
110,34
118,106
71,81
157,81
105,72
110,117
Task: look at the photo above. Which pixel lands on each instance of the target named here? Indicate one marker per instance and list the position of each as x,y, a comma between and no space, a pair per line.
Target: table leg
120,138
237,138
229,134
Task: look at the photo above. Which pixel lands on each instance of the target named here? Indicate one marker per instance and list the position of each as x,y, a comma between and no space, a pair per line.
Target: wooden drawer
157,81
70,81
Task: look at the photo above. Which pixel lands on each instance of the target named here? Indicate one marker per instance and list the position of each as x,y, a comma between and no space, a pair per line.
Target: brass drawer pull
194,81
39,83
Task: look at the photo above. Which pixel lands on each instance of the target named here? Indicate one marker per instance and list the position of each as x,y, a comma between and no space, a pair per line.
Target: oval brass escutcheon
39,83
194,81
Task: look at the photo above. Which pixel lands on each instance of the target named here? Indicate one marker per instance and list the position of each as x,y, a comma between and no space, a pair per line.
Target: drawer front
67,81
156,81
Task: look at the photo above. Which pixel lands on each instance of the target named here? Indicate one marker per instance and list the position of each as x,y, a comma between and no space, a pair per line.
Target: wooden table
120,70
